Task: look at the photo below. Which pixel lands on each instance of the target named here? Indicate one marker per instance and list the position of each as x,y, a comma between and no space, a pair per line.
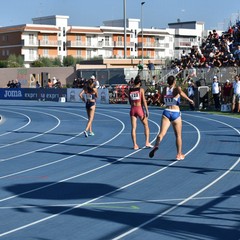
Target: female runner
171,115
138,103
91,95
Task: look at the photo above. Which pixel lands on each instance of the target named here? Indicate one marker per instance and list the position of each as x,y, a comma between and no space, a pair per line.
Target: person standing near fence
227,89
191,93
236,95
151,69
91,94
216,92
138,103
171,115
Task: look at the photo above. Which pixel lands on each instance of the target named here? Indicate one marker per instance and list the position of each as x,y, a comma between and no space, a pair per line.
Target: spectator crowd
215,51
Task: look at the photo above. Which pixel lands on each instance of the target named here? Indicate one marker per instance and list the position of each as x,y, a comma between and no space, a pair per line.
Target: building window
89,41
120,40
78,40
31,39
64,31
45,39
120,54
108,53
79,53
31,54
88,54
5,38
107,41
148,42
45,53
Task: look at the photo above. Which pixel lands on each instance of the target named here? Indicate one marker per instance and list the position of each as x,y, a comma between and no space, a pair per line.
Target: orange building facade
52,37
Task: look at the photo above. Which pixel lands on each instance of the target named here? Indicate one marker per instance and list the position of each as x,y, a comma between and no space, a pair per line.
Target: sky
216,14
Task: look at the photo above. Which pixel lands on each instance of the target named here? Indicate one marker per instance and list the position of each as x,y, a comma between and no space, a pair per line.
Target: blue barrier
43,94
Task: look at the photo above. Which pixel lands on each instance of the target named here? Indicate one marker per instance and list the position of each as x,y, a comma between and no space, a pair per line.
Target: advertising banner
73,95
43,94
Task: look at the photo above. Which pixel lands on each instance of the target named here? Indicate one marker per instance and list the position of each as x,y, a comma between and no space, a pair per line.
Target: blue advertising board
46,94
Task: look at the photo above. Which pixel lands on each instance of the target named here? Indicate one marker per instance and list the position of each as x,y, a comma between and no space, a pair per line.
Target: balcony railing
99,44
48,43
153,45
30,43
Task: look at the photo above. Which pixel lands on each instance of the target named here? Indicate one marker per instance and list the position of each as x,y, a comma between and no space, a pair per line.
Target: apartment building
52,37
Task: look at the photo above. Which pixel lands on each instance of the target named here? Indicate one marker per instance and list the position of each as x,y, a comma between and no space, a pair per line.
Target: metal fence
124,75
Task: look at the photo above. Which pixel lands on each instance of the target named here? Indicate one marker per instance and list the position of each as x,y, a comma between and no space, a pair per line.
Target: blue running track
55,184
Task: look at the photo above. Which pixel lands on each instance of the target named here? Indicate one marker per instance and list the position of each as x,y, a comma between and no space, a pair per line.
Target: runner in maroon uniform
138,104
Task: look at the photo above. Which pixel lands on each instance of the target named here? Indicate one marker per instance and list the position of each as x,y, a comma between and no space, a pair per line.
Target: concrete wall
28,76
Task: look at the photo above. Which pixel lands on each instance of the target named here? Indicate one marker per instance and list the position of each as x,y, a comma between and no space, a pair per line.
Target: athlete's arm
81,96
144,102
162,96
96,92
129,99
184,95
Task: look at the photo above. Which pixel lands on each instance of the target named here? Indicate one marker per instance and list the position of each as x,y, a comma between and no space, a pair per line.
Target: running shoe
180,157
91,134
86,134
151,154
149,146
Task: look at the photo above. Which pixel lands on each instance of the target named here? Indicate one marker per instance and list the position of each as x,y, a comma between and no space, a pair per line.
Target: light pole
142,3
125,29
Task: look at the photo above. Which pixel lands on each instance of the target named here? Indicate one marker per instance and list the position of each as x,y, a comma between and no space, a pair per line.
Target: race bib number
89,96
135,96
169,100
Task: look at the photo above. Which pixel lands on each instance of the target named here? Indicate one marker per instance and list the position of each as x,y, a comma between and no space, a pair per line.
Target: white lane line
71,156
68,157
187,199
63,159
79,205
44,148
35,136
14,130
120,202
92,200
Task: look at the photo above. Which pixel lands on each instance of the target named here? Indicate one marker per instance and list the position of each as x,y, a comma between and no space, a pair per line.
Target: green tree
78,60
57,62
37,63
3,64
43,62
68,61
15,61
47,62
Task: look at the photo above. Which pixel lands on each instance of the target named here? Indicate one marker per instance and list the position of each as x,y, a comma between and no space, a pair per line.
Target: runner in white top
236,94
171,115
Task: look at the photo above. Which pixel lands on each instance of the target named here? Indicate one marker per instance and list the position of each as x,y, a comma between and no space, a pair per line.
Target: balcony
153,45
99,44
120,44
30,43
185,43
83,44
48,43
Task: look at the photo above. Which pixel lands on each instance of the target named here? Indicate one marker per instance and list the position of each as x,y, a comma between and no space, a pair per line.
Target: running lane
99,188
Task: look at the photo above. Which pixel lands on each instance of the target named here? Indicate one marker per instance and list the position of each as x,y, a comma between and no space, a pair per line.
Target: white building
52,37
